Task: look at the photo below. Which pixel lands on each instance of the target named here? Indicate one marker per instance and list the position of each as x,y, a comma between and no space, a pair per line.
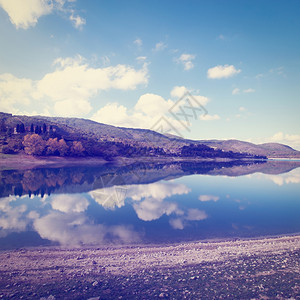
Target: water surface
148,203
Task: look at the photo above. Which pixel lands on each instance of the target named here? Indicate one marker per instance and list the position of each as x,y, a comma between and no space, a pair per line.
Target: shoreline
23,161
245,268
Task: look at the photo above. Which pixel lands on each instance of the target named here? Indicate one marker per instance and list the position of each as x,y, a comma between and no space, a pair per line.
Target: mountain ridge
112,139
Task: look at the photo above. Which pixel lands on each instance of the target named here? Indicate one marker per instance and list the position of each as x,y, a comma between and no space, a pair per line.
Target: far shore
263,268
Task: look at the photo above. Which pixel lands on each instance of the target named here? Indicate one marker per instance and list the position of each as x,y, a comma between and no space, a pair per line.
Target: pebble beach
265,268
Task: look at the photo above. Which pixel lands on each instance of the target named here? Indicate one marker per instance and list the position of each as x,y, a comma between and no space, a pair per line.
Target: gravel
266,268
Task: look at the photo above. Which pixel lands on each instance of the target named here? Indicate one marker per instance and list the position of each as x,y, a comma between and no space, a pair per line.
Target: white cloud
25,13
219,71
249,91
153,105
186,60
205,198
221,37
242,108
160,46
292,140
235,91
77,21
69,203
148,109
68,108
138,42
141,59
14,91
178,91
69,88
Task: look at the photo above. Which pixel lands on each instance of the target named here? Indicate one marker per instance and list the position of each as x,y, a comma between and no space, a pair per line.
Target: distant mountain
271,150
108,141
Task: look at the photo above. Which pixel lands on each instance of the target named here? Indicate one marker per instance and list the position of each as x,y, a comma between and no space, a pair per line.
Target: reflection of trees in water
84,179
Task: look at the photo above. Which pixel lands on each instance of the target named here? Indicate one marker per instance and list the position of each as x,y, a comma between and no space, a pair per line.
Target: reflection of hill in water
85,179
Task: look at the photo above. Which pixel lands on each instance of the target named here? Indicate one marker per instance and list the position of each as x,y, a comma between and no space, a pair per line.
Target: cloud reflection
149,199
69,203
205,198
75,229
292,177
192,214
12,216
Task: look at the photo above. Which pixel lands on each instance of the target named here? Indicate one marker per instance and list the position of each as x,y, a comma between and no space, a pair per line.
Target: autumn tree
52,147
77,149
62,147
34,144
55,147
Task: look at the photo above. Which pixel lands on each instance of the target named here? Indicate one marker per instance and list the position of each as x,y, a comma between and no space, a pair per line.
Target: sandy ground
266,268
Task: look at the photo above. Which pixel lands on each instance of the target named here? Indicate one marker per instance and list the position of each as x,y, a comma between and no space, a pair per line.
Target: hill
81,137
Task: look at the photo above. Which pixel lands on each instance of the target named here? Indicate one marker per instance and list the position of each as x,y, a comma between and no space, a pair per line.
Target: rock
95,283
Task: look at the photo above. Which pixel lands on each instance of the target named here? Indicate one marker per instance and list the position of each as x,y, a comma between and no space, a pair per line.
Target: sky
209,69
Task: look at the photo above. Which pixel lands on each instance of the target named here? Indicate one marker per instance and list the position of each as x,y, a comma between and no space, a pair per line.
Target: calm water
148,203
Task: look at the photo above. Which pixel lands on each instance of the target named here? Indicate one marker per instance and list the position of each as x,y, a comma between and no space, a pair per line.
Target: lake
148,203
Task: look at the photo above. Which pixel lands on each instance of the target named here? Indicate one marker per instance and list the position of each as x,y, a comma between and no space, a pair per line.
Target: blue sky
127,63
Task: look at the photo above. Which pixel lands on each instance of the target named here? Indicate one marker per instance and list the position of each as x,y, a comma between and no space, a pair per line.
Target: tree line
34,144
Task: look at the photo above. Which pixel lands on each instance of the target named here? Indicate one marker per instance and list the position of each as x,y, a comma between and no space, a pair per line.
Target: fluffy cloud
14,91
153,105
219,71
160,46
292,140
24,14
186,60
205,198
69,88
178,91
77,21
148,109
